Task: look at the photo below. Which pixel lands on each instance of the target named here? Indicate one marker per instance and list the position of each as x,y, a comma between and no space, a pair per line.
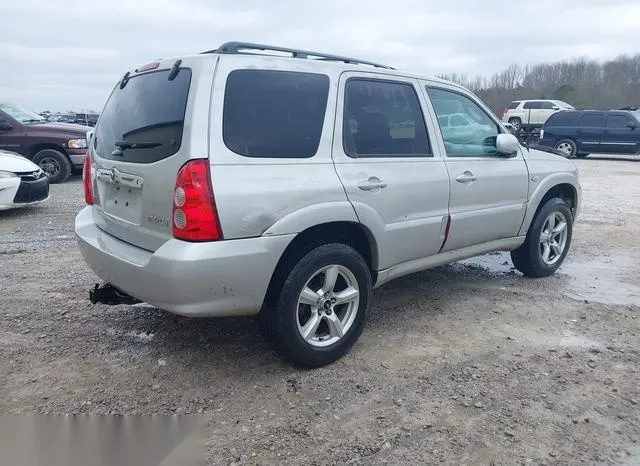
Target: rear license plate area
121,202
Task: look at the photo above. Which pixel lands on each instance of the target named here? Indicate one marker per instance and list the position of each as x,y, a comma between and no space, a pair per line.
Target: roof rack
242,47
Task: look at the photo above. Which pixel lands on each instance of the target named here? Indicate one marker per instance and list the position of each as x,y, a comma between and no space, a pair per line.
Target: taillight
194,210
86,178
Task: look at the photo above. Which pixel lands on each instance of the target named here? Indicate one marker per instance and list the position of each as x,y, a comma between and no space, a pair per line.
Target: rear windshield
513,105
563,118
149,111
274,113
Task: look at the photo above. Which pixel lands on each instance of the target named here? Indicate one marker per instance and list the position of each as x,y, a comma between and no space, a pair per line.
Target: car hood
12,162
542,159
62,128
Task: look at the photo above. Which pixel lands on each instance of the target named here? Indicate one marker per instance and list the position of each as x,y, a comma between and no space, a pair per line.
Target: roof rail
242,47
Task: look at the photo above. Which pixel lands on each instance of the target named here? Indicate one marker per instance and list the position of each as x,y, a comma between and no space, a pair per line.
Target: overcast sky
68,54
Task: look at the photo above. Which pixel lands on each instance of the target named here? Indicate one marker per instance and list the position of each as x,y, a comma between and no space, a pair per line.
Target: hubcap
328,305
50,166
553,238
565,147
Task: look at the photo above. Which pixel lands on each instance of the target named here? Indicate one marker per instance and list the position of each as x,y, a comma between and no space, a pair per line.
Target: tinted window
513,105
563,118
532,105
546,105
592,119
149,109
617,121
274,113
383,119
477,138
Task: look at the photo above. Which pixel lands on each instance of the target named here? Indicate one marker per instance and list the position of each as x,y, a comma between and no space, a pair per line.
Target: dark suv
579,133
57,148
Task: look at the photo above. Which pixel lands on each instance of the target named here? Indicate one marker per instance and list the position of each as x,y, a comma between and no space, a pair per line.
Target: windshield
565,105
22,115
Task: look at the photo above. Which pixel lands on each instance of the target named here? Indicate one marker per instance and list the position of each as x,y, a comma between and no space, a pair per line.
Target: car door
547,108
10,134
383,156
532,115
489,191
590,132
621,134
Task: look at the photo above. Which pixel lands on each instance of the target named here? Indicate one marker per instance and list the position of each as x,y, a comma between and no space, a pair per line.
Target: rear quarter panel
274,196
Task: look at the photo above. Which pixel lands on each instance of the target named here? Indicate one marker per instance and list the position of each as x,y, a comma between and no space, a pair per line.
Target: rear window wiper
136,145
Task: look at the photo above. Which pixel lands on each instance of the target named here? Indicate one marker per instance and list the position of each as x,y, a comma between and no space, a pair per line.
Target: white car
460,128
530,114
22,182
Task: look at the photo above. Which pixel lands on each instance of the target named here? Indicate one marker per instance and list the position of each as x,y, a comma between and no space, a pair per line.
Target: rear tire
516,124
55,164
547,242
321,307
568,147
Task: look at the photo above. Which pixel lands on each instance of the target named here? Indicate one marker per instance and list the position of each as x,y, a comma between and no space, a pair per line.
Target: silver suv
236,182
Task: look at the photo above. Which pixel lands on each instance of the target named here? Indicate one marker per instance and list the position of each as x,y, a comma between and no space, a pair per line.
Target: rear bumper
225,278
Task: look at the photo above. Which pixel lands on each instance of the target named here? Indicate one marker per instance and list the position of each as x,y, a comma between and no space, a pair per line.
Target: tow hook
109,294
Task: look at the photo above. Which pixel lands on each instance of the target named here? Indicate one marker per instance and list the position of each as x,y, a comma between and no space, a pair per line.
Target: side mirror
555,107
507,144
632,125
5,126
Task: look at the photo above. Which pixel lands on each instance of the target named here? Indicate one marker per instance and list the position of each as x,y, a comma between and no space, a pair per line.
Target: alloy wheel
328,305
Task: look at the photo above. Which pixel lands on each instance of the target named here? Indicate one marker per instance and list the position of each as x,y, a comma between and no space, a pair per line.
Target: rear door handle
372,184
466,177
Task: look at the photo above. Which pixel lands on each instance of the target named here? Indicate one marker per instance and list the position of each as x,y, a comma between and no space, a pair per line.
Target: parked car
461,128
288,187
56,147
22,182
531,114
578,133
87,119
62,118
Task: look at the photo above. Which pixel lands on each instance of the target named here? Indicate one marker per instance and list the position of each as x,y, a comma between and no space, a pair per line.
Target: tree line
583,83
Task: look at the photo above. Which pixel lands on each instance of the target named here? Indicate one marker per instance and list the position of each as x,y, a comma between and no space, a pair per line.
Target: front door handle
372,184
466,177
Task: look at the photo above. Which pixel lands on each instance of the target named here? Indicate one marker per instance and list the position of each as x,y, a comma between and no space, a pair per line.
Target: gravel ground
465,364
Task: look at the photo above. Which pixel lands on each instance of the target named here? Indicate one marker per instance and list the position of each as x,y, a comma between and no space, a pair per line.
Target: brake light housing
86,178
194,214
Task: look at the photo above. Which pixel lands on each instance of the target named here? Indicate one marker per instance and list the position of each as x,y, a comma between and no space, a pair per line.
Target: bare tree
581,82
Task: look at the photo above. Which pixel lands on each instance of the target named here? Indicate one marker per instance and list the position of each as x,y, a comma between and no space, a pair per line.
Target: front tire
547,242
322,306
55,164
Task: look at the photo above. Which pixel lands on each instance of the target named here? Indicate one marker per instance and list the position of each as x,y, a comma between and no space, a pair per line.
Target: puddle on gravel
570,340
611,280
607,280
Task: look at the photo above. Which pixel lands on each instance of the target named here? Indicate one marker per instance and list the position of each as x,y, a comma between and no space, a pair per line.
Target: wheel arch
35,148
353,234
565,189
